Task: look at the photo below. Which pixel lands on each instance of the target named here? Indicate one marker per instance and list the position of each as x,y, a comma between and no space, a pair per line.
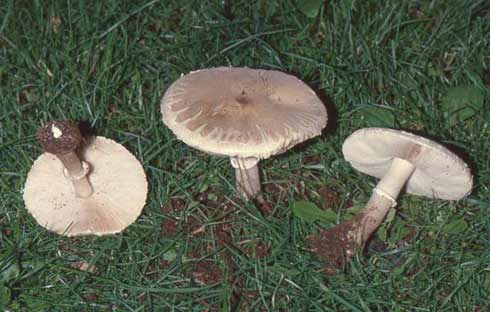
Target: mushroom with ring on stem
400,159
62,138
245,114
82,187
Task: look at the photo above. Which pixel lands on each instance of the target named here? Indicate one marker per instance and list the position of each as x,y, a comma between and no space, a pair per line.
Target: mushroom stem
247,176
76,171
383,198
345,238
62,138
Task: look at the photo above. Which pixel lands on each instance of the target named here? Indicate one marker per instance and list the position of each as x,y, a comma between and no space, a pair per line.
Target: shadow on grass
86,129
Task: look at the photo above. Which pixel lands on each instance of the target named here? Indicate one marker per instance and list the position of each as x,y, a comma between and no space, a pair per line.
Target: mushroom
62,138
400,159
245,114
79,189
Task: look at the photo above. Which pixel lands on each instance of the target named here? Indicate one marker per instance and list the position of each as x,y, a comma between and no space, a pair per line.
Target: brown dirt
22,98
83,266
312,160
375,245
162,263
279,193
174,205
155,267
275,192
202,197
224,238
170,228
142,298
478,308
264,207
90,297
261,251
67,246
251,302
207,272
223,234
330,199
334,245
195,227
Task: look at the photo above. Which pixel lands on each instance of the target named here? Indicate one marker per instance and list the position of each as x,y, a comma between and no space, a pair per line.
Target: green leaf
170,255
382,232
434,71
486,281
9,271
286,270
461,103
455,227
5,295
390,215
204,188
310,8
352,211
398,231
309,212
375,116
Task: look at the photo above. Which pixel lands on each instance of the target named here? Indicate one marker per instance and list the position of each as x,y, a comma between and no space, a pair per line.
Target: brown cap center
59,137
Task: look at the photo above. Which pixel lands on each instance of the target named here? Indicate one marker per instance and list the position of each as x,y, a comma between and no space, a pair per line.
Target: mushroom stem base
370,218
383,198
338,244
76,172
247,177
341,242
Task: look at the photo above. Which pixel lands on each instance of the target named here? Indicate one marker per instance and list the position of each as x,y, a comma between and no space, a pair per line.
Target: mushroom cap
438,173
242,112
119,184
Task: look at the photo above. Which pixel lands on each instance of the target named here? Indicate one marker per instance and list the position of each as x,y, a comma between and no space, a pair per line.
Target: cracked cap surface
242,112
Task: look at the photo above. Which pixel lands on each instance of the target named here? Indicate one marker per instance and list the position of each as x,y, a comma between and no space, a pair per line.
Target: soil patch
335,245
174,205
207,272
261,251
169,228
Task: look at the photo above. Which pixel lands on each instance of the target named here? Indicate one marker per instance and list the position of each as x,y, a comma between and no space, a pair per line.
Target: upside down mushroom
80,189
401,160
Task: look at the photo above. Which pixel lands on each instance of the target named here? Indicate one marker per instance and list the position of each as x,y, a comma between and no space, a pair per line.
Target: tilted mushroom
101,194
245,114
400,159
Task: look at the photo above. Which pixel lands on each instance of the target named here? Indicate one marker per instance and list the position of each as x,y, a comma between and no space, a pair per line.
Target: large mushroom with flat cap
245,114
401,160
79,189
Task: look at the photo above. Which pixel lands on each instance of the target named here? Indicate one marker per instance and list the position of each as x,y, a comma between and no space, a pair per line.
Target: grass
108,63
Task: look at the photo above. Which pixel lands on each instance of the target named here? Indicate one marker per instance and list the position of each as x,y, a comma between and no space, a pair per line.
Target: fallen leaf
455,227
55,22
461,103
375,116
309,212
170,255
5,295
9,270
310,8
83,266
